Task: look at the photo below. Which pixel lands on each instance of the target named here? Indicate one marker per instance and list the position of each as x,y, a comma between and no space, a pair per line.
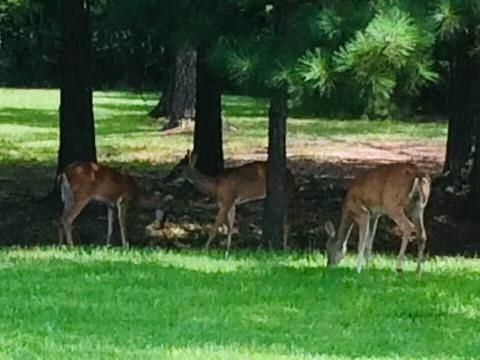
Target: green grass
104,303
29,127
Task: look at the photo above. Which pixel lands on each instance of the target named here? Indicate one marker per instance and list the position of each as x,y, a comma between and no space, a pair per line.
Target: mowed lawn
29,127
109,303
91,303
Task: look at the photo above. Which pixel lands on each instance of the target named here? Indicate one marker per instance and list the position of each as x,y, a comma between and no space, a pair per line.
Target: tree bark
474,195
163,106
178,102
77,132
208,142
274,208
460,124
273,226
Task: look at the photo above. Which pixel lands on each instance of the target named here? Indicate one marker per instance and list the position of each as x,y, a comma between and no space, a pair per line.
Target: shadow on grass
34,118
193,301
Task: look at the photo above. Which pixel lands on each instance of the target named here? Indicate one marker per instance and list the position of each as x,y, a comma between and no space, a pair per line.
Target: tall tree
177,101
458,34
208,143
460,119
77,132
274,219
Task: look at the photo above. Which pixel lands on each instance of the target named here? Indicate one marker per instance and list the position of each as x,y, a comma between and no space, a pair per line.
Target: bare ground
322,168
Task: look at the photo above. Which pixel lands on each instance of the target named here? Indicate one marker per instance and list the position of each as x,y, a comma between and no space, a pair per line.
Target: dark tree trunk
163,106
180,92
274,208
207,142
460,124
77,132
474,195
273,227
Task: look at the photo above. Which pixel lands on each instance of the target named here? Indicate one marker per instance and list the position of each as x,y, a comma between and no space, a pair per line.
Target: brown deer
234,186
401,192
82,182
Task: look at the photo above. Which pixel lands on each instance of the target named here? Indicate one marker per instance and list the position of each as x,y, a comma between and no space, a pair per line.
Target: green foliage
107,303
315,69
390,47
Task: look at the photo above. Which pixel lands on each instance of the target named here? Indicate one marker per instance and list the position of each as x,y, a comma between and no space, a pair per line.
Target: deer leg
403,222
286,230
122,215
363,235
401,253
417,217
408,232
69,215
110,224
373,229
230,223
219,220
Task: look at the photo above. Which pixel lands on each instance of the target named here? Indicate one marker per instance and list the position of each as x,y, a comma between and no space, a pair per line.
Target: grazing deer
82,182
234,186
401,192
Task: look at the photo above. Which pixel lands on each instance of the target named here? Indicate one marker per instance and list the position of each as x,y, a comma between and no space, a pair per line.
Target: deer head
336,249
180,170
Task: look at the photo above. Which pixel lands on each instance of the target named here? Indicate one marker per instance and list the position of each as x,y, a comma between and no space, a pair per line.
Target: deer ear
193,159
329,228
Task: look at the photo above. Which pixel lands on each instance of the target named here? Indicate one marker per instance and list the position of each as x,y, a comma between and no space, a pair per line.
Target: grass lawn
108,303
29,127
104,303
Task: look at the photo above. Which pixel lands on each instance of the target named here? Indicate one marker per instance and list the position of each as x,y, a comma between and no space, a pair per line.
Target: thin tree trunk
77,132
273,227
274,208
474,195
208,143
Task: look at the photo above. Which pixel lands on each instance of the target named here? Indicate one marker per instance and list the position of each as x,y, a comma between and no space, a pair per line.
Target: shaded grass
29,127
110,303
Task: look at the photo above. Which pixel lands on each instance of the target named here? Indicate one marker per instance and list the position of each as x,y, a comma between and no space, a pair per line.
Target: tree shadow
33,118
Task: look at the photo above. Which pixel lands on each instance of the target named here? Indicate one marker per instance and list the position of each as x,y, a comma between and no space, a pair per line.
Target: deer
233,186
83,182
401,192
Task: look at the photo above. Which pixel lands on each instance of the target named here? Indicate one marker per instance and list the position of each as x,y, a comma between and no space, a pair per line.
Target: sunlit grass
29,127
108,303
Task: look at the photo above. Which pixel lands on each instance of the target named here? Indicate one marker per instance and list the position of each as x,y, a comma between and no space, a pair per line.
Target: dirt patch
322,168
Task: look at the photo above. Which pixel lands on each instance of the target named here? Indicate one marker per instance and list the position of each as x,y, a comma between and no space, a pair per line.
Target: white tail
400,191
82,182
234,186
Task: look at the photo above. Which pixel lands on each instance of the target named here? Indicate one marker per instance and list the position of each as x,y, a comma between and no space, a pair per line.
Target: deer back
386,186
100,182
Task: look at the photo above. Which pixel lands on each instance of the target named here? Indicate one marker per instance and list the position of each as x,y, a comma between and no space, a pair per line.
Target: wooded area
376,59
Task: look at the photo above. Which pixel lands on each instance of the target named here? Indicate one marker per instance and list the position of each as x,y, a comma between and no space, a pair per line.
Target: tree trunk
77,132
460,124
273,226
180,92
274,208
474,195
207,142
164,103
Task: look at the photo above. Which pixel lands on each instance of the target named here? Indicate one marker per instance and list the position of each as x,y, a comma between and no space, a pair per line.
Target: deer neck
205,184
